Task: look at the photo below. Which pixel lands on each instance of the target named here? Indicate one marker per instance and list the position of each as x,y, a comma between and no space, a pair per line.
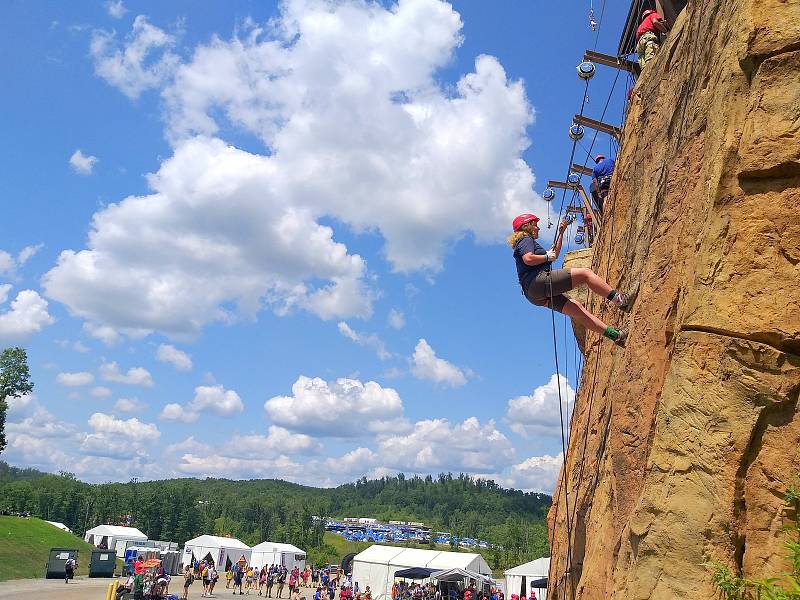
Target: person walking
69,569
188,579
647,41
542,284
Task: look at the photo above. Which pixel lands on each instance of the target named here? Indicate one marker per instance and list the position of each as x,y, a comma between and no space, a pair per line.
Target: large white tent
114,537
274,553
375,566
519,579
221,550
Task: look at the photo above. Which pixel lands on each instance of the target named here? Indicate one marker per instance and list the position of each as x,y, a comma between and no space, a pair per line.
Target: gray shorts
539,291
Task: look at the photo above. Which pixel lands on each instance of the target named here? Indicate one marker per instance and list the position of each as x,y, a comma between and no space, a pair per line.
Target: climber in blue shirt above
601,177
541,283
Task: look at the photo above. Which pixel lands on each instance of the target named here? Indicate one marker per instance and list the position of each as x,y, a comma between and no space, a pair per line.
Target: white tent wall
375,566
518,579
274,553
113,537
218,548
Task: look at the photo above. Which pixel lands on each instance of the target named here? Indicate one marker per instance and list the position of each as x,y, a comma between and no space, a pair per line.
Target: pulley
576,132
586,70
569,218
579,238
574,179
549,194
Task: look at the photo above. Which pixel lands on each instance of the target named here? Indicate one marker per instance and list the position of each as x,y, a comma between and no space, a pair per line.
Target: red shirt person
647,42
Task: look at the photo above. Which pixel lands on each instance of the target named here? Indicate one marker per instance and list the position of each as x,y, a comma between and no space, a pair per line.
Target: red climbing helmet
647,12
599,157
523,219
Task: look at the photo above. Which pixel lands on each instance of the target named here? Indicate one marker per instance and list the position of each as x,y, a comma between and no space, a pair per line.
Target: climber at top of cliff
540,282
601,178
647,40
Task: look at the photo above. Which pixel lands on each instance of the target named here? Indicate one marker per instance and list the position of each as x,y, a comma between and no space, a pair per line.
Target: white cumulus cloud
143,62
131,428
129,405
100,391
116,9
74,379
357,128
177,358
210,235
134,376
341,408
213,399
396,319
434,445
538,414
426,365
82,163
368,340
27,315
536,474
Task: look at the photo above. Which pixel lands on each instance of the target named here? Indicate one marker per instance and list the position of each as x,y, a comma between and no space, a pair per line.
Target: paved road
46,589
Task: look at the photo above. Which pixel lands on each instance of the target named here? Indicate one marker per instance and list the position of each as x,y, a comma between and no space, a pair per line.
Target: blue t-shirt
527,273
604,168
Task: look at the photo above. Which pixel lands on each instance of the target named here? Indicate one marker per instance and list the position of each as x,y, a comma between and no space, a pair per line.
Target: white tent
221,550
113,537
518,579
59,525
274,553
375,566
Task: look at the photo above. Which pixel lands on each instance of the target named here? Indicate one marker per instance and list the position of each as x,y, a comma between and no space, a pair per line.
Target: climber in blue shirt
601,178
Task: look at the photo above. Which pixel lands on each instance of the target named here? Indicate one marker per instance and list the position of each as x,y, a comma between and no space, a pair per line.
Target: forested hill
256,510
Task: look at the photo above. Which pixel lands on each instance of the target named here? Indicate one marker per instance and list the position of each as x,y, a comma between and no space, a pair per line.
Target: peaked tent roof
460,560
277,547
215,541
411,557
456,574
117,531
535,568
378,554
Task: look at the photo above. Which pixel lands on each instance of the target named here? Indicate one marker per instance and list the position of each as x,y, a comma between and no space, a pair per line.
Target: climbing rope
563,484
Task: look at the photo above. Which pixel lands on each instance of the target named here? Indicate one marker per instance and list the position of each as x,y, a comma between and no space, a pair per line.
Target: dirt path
46,589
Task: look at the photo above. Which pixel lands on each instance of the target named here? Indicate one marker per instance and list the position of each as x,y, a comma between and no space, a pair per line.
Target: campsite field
25,546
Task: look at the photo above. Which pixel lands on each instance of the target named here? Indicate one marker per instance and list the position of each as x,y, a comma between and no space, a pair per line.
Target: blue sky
260,239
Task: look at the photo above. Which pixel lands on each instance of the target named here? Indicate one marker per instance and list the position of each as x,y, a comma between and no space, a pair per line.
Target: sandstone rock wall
683,443
573,259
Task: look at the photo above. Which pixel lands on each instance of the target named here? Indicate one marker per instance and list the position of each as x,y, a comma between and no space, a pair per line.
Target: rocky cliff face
683,443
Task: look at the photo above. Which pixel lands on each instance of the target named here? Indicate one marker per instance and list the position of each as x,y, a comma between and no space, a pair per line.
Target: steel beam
612,61
598,125
576,168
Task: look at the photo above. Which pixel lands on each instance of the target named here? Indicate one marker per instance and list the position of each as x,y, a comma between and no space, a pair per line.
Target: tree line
257,510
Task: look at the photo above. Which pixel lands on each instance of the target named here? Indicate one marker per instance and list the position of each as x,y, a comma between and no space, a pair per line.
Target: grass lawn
25,546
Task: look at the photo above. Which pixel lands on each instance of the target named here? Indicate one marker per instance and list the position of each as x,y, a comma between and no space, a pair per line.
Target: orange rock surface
683,443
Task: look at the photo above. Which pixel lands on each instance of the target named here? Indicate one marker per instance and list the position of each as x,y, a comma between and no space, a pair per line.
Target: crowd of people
268,581
402,590
145,583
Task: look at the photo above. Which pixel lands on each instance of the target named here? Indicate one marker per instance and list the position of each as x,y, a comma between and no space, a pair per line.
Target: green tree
784,587
14,382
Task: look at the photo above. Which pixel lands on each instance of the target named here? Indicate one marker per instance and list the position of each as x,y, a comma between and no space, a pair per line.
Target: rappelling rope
564,483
